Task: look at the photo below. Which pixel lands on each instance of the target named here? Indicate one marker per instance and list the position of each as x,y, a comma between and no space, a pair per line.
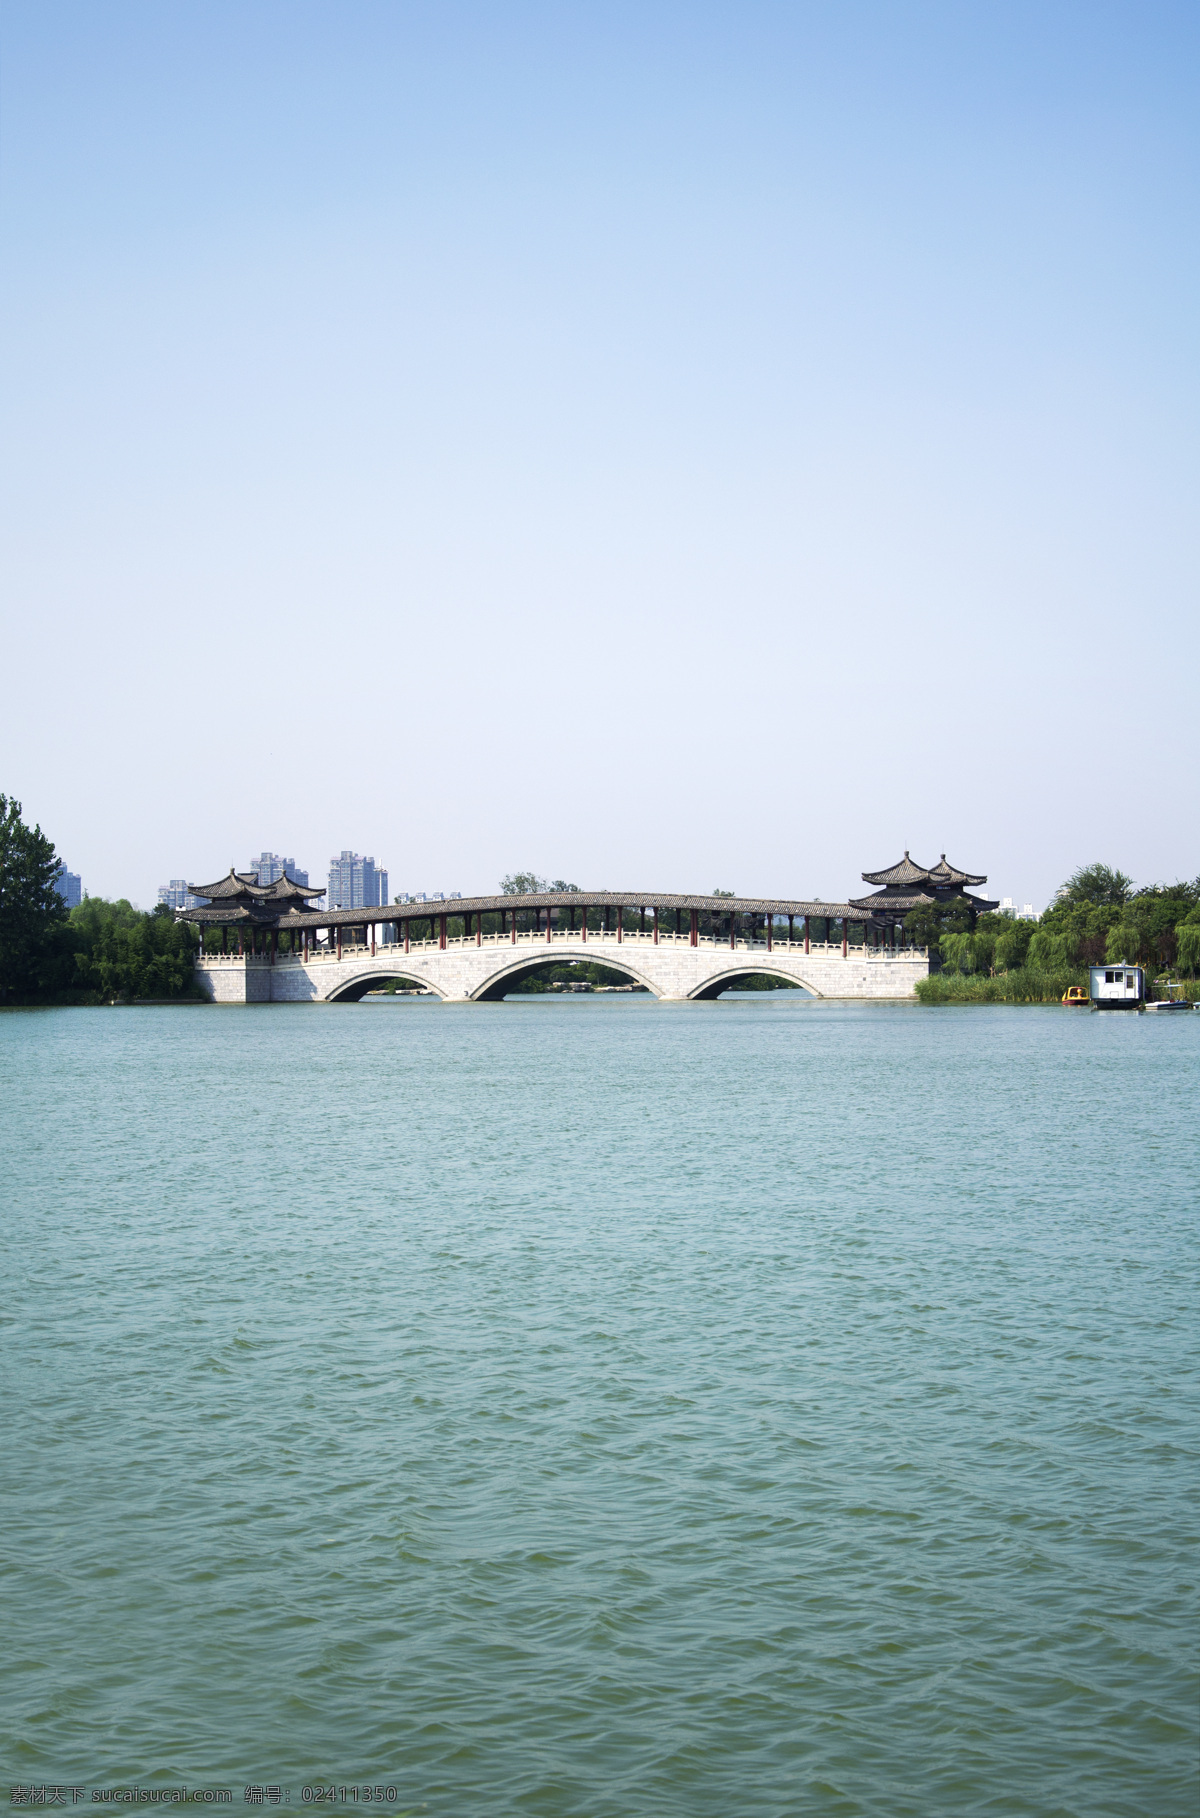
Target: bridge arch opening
357,988
528,966
734,981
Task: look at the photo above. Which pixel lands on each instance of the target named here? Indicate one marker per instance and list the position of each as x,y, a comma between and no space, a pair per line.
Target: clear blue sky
662,445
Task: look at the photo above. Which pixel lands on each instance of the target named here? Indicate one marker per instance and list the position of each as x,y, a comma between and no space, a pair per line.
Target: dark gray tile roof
884,902
905,872
909,872
237,884
943,873
489,905
286,889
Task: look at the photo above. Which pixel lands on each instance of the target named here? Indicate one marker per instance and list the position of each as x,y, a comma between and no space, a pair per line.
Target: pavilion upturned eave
885,904
240,897
285,889
908,873
905,871
233,914
235,885
943,874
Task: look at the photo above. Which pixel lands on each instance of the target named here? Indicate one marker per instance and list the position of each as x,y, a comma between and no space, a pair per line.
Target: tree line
94,954
1098,917
103,951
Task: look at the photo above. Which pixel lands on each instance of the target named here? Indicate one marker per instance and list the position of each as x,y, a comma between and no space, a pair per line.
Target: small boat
1169,1003
1075,994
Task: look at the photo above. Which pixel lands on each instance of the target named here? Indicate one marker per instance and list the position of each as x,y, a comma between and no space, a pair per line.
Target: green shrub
1021,987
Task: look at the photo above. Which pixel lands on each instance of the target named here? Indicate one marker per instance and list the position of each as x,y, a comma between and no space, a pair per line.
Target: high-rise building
176,895
69,887
356,882
270,868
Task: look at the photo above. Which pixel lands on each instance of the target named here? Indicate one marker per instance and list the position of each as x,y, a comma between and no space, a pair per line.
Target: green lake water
603,1407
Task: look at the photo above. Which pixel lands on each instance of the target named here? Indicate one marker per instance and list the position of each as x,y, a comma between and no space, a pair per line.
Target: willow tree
1187,936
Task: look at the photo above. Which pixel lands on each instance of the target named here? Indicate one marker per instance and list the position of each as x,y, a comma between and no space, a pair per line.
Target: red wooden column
656,925
479,929
791,929
372,940
339,940
583,926
694,929
732,929
547,927
441,931
514,927
407,932
770,931
845,936
241,954
620,925
807,931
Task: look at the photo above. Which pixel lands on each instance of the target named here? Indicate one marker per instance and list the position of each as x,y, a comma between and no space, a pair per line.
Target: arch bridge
478,949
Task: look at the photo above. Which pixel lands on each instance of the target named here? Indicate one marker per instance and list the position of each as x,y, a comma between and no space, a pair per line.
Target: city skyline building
176,895
356,882
69,886
270,867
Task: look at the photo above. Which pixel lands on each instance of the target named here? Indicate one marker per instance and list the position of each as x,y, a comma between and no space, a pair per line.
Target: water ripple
769,1408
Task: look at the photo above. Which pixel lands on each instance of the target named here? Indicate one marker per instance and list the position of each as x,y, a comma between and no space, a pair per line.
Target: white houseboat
1117,987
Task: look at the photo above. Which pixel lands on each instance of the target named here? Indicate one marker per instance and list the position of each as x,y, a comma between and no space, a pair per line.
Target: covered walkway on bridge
248,919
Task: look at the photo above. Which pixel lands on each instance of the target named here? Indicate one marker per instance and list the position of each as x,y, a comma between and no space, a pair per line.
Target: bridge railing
529,939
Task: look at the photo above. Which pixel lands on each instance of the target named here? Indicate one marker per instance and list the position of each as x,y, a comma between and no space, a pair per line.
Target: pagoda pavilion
241,903
910,886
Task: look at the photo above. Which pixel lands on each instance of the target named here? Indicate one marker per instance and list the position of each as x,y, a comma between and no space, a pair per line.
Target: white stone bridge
681,949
